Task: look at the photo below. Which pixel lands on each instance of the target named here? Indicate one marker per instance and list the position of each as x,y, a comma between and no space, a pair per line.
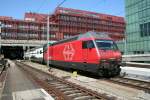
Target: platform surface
16,81
35,94
137,73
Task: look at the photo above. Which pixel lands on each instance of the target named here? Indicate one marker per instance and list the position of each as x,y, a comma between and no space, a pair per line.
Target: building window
149,28
145,29
138,52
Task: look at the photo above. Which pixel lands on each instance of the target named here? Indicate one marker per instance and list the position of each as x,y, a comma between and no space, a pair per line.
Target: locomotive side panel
68,55
73,55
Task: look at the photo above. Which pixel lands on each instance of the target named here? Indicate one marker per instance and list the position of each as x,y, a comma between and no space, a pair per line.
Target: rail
138,84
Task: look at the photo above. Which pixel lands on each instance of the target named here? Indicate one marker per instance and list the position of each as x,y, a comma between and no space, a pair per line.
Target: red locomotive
92,52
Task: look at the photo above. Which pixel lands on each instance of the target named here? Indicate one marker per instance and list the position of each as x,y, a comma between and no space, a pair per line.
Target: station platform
136,73
19,87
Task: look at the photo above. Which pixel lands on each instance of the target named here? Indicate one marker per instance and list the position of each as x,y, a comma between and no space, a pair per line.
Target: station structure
37,81
137,34
64,23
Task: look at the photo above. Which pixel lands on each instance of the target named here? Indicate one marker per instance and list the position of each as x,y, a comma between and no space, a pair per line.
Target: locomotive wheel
107,73
104,73
116,72
100,73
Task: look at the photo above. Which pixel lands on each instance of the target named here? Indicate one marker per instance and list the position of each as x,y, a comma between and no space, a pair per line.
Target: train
36,54
93,52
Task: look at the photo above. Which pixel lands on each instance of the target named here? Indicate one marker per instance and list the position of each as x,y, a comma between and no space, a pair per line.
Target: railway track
61,89
142,85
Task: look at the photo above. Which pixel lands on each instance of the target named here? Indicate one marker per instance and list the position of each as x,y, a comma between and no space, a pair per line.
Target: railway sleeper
73,95
66,89
62,86
53,82
128,82
85,97
56,84
145,85
49,80
72,91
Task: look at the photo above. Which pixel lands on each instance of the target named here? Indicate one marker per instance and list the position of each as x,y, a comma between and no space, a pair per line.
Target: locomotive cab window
106,45
84,44
87,44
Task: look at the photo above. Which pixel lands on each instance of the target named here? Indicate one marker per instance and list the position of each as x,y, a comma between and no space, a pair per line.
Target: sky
17,8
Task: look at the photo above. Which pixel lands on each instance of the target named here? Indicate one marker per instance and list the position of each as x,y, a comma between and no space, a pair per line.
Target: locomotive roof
49,42
91,34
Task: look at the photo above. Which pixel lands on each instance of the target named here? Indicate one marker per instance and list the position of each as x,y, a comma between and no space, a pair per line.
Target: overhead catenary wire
61,3
43,2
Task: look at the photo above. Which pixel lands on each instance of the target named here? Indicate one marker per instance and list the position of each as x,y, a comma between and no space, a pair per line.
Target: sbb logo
68,52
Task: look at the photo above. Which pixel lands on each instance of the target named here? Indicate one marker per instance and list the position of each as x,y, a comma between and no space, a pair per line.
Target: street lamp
48,34
48,41
0,35
125,44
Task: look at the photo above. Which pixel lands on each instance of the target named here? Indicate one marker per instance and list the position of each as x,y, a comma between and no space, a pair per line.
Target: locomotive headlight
119,59
103,60
112,58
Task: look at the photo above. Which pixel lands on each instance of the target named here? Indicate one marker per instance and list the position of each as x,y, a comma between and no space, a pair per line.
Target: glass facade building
137,26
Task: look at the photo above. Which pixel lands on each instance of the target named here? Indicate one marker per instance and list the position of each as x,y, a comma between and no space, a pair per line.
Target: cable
61,3
41,6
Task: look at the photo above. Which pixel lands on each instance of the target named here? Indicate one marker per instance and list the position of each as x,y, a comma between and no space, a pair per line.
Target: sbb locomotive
92,52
